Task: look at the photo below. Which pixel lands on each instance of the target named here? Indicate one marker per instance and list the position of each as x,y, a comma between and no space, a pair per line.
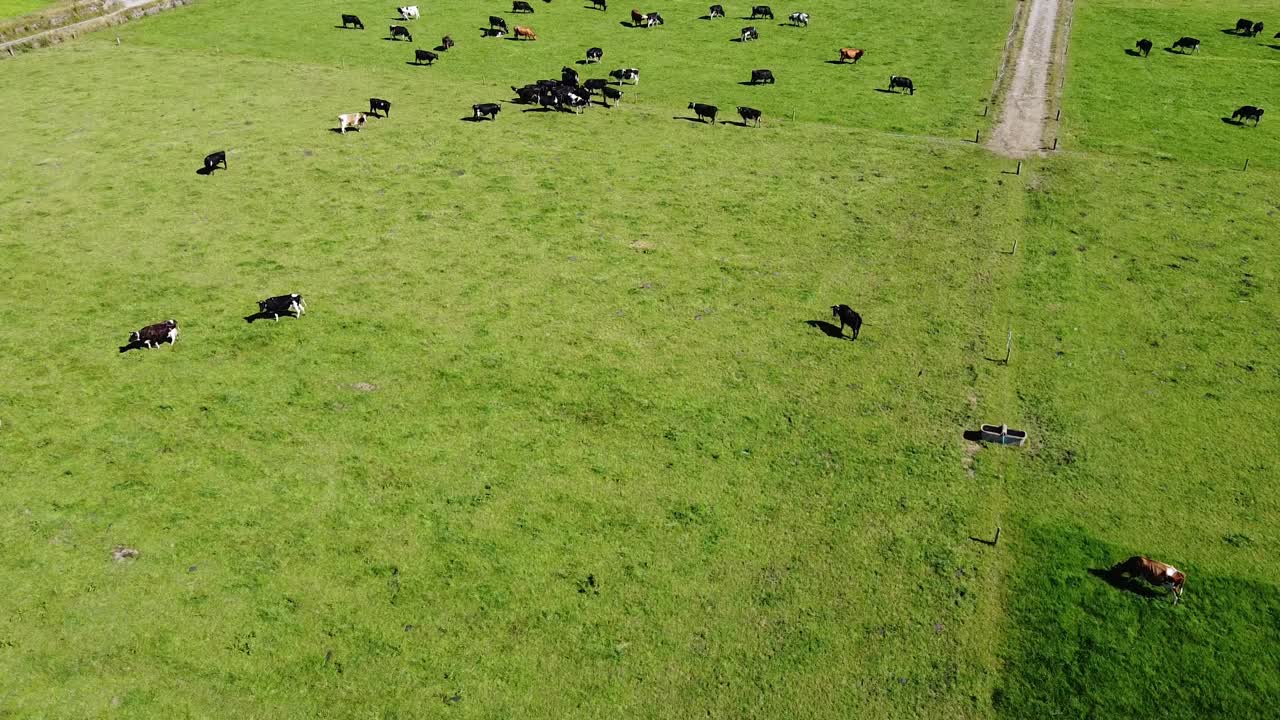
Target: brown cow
1154,572
637,17
854,54
523,32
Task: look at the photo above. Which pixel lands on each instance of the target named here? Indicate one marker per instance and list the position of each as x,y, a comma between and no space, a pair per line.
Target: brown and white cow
152,335
523,33
1154,572
355,120
854,54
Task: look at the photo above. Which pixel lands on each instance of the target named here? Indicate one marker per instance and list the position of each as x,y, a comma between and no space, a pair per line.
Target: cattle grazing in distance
594,54
291,305
483,110
213,160
409,13
379,107
1248,112
716,11
900,81
521,6
353,21
424,56
849,317
446,42
400,31
346,120
499,23
854,54
601,4
624,74
762,76
705,112
749,33
1144,46
1153,572
611,93
761,11
749,115
568,76
1188,43
153,335
799,18
525,33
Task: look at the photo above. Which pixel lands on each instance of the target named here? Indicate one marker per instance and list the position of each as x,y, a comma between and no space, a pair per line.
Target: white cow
347,120
800,18
409,13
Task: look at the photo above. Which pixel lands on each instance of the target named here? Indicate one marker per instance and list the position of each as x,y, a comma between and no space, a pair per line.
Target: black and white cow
483,110
762,76
601,4
521,6
653,19
705,112
847,317
1257,28
749,33
492,32
409,12
568,76
1248,112
291,305
716,11
611,93
499,23
424,56
353,21
379,106
749,115
899,81
800,18
595,54
624,74
213,160
761,11
400,31
153,335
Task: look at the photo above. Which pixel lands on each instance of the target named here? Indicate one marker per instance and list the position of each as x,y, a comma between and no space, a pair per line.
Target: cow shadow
415,63
737,39
474,119
346,27
827,329
1274,46
135,345
706,17
736,123
700,121
1232,31
887,92
440,48
837,62
267,316
205,171
396,40
338,130
1171,51
1132,53
1128,584
753,83
972,435
1232,121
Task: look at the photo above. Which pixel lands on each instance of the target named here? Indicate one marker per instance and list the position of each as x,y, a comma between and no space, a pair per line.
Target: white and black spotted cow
292,305
153,335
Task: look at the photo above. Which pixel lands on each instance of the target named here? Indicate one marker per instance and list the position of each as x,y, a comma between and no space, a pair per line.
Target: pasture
563,431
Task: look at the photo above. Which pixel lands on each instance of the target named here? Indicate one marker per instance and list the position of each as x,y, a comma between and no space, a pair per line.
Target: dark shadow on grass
738,123
474,119
1274,46
267,316
1232,31
338,130
691,119
135,345
827,328
1232,121
627,24
344,27
972,435
751,82
838,62
1132,53
1171,51
1128,584
205,171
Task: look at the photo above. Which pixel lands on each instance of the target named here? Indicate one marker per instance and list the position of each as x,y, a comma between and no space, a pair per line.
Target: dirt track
1020,128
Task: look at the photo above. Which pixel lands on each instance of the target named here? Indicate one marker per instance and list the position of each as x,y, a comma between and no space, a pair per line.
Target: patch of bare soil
364,387
1020,130
120,553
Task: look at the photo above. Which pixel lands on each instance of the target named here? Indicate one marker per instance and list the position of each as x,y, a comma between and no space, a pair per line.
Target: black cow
352,20
611,93
749,33
594,84
898,81
716,11
446,42
489,110
1186,42
499,23
600,4
424,56
1248,112
624,74
291,305
527,94
1257,28
1145,46
1243,26
378,105
594,54
704,111
153,335
749,115
762,76
400,31
847,317
521,6
761,11
213,160
568,76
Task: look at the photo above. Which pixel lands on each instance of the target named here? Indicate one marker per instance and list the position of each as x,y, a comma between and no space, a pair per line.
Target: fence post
1055,143
984,110
1008,346
976,134
997,540
1019,170
1058,116
1246,162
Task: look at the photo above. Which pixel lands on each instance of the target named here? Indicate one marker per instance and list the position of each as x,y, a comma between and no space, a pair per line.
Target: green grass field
555,438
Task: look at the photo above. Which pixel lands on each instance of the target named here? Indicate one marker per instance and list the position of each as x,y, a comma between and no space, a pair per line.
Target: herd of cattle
1185,44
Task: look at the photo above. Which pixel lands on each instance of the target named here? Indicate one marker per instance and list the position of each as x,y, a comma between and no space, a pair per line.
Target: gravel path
1021,126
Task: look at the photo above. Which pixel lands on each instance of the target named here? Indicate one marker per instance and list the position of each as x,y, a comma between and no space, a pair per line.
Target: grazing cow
378,105
347,120
491,32
600,4
1243,26
848,316
213,160
749,115
594,54
637,18
749,33
716,11
521,6
446,42
761,11
568,76
572,97
489,110
653,19
291,305
353,21
497,22
624,74
854,54
409,13
1257,28
762,76
611,93
424,56
1186,42
898,81
1144,45
1153,572
1248,112
704,111
525,33
527,94
153,335
400,31
595,84
800,18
